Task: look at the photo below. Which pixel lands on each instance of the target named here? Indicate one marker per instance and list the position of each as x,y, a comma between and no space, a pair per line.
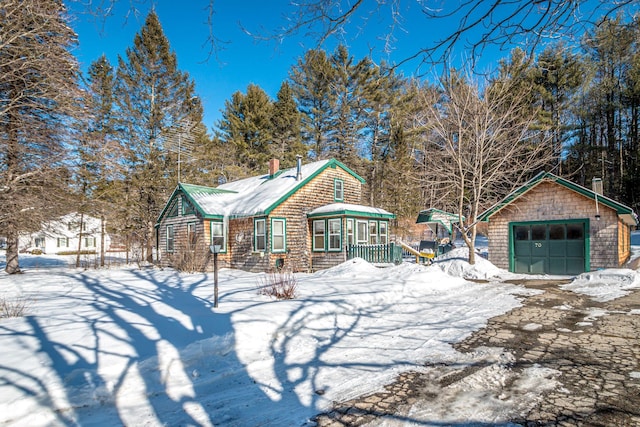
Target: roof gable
258,195
624,212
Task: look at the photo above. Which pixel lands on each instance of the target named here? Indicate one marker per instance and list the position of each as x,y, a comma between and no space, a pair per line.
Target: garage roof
624,212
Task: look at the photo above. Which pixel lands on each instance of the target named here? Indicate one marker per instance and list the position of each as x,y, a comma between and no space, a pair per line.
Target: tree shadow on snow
151,350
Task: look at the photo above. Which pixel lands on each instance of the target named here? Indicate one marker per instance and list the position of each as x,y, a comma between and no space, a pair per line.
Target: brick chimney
274,166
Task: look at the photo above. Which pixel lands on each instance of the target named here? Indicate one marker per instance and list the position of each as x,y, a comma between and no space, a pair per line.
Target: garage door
549,248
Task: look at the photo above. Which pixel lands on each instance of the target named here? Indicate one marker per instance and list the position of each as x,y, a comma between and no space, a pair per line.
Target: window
521,232
335,234
278,235
63,242
187,207
373,232
361,233
318,235
170,238
260,235
556,232
539,232
173,210
350,240
191,234
338,190
217,235
89,242
575,231
384,233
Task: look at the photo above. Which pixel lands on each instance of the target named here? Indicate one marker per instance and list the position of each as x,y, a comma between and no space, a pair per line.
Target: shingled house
551,225
301,218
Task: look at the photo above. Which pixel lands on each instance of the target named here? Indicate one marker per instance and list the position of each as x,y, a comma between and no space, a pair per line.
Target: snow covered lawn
133,346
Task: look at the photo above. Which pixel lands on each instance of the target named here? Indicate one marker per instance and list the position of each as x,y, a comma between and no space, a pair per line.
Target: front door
549,247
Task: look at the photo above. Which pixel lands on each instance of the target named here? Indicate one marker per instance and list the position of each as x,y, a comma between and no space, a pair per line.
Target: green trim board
186,190
332,163
546,254
361,236
337,181
351,213
254,245
284,235
624,212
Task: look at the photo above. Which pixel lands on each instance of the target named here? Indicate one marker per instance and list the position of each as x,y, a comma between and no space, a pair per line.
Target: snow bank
456,263
605,285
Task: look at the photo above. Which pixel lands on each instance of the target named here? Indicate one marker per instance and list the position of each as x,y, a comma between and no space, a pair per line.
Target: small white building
63,236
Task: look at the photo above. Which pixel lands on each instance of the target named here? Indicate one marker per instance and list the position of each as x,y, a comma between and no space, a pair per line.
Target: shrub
191,257
279,284
15,308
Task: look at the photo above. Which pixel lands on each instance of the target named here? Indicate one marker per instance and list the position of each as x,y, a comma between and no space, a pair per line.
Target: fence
376,254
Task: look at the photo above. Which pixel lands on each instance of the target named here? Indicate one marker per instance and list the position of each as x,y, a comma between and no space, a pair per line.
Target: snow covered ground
146,347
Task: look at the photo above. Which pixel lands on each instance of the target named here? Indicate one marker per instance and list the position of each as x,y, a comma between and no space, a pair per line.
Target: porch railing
376,254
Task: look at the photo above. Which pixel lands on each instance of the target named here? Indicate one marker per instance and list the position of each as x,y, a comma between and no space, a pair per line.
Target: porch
376,254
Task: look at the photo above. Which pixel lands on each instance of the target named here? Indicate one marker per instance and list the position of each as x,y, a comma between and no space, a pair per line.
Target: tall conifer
153,96
38,104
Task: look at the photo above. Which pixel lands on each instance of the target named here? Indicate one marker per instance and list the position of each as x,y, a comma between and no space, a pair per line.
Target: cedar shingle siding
291,201
607,239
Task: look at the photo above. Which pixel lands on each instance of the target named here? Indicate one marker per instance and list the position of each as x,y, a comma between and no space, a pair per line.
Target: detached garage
553,226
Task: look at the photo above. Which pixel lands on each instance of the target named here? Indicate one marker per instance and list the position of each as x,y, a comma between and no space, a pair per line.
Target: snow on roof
256,195
343,208
69,225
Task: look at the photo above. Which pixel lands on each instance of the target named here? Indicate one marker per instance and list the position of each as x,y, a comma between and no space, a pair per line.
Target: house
551,225
301,218
64,235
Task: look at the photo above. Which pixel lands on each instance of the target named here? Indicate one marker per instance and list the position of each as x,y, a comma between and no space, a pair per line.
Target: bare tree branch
475,24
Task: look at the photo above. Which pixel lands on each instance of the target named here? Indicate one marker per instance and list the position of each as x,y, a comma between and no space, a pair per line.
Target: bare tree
478,147
475,24
38,101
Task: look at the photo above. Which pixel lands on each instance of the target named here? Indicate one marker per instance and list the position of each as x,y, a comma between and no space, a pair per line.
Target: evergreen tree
246,127
38,103
349,84
311,82
287,132
610,49
559,74
98,151
153,96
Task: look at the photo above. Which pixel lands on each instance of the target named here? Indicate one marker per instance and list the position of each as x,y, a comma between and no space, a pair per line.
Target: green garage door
549,248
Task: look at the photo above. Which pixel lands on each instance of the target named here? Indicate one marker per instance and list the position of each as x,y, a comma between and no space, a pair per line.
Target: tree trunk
79,241
13,266
149,243
102,241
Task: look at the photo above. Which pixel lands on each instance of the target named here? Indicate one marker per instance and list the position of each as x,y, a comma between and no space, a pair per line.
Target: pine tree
38,102
153,96
558,75
348,121
246,127
98,150
287,132
311,81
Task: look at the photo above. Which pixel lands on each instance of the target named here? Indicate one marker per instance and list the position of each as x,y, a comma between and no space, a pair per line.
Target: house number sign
538,244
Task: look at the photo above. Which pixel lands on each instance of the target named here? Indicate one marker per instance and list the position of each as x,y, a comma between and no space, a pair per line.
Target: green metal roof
624,212
437,216
188,190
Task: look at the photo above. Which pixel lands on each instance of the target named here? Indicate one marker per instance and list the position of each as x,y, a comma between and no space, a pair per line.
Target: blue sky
242,60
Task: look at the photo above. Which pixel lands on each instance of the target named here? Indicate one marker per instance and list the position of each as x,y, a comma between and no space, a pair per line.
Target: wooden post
215,279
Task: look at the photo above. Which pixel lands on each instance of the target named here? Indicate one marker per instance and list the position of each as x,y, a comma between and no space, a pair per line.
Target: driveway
592,349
